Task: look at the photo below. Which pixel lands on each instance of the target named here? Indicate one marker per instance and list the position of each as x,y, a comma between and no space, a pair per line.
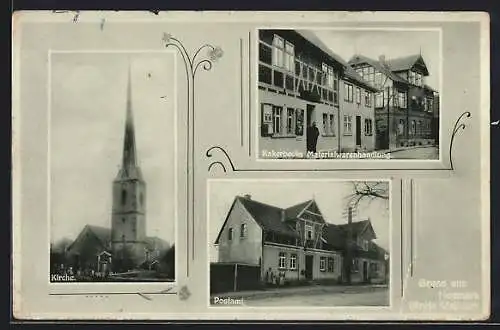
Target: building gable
89,243
366,231
407,63
225,221
237,205
312,213
240,239
294,211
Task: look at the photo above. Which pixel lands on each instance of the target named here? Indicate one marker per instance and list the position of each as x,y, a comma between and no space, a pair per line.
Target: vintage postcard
254,166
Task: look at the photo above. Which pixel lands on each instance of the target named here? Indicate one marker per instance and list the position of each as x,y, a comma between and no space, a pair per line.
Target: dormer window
309,232
283,54
278,50
415,78
289,57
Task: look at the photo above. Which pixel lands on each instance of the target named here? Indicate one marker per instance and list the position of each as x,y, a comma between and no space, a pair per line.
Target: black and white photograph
349,94
250,166
299,243
112,167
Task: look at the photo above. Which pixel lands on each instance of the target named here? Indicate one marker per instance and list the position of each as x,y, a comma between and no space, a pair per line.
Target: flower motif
215,53
184,293
166,37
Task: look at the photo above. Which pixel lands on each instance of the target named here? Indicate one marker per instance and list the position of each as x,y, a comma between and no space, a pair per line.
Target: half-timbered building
298,244
300,83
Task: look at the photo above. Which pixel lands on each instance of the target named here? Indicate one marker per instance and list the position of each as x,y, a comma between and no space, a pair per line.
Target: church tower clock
128,221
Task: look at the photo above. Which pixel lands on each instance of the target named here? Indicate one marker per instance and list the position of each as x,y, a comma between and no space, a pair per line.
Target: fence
230,277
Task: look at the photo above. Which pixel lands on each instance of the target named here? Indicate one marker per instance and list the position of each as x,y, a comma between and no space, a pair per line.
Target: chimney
381,59
349,215
247,196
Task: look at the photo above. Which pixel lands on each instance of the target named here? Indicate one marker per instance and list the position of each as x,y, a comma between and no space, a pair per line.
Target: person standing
312,137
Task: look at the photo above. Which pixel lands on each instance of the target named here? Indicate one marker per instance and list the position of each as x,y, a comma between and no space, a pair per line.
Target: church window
123,220
123,237
124,196
141,198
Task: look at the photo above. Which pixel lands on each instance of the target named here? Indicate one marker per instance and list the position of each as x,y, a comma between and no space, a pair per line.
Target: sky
88,108
331,197
373,43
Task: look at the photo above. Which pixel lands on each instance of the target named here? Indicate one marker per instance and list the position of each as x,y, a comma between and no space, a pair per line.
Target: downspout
407,131
388,120
298,258
338,119
338,125
262,270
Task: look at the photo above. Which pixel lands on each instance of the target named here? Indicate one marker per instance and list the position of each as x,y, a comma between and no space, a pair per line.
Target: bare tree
369,191
362,191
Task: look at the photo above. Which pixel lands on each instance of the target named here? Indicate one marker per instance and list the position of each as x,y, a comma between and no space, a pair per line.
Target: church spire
129,161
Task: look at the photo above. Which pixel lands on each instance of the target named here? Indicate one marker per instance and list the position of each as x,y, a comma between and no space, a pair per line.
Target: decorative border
410,262
459,126
401,239
250,90
191,65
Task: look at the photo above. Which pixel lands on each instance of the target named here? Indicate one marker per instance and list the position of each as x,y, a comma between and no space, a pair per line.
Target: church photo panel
112,167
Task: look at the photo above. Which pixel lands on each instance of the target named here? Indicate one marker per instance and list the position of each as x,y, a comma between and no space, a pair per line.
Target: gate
230,277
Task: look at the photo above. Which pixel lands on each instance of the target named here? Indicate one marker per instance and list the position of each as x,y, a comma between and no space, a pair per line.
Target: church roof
156,243
103,234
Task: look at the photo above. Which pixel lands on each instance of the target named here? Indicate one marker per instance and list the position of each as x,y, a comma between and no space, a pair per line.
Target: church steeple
129,167
128,219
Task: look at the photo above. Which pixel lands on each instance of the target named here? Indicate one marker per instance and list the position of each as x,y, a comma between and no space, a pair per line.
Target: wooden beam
318,214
